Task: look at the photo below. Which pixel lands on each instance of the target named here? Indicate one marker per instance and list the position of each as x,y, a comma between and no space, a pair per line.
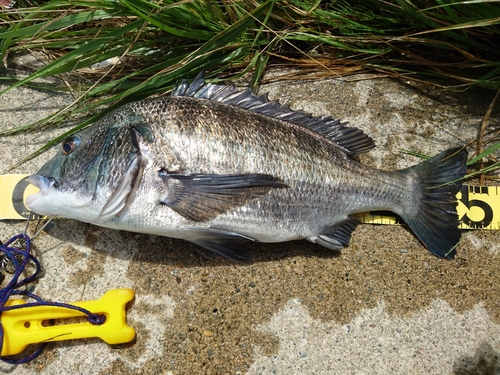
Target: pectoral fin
203,197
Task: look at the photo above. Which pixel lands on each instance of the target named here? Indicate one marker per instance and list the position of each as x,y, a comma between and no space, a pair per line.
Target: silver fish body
221,167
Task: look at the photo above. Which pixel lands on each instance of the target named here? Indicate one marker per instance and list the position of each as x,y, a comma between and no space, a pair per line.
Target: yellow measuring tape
478,206
14,188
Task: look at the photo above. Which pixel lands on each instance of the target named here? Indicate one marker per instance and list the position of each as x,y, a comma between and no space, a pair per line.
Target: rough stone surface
381,306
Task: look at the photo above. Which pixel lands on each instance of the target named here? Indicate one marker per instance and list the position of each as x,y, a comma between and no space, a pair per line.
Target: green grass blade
75,59
485,153
67,21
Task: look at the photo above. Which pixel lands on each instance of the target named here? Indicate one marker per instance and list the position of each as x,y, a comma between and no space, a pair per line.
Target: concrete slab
381,306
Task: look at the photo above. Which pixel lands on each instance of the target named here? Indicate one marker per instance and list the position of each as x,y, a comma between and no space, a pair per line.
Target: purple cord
13,254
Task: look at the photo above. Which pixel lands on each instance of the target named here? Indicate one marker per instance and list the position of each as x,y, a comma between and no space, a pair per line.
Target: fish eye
70,144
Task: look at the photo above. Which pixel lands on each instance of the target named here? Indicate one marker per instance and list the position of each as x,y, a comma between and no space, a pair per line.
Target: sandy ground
381,306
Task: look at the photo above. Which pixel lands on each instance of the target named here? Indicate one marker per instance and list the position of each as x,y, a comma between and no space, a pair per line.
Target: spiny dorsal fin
351,140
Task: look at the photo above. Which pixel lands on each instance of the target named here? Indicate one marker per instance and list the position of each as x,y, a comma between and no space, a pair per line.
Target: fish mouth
43,183
50,200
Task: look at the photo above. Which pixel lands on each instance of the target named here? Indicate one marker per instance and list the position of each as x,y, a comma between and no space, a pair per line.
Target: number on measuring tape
487,214
478,207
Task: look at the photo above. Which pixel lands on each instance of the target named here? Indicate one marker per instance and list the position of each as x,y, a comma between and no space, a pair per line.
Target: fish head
95,173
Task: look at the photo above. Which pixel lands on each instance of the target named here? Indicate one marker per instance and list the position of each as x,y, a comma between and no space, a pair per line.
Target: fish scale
222,168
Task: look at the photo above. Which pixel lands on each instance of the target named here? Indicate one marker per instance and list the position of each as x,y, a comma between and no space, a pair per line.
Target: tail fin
435,223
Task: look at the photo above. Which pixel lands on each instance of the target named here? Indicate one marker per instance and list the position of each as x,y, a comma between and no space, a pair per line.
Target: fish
222,168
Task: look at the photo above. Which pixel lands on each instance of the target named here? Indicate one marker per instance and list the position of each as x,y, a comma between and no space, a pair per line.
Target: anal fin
338,236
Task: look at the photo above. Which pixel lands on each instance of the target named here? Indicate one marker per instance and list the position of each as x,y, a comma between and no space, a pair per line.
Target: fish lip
43,183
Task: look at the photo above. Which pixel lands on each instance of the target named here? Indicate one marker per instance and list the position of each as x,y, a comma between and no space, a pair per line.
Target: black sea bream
221,167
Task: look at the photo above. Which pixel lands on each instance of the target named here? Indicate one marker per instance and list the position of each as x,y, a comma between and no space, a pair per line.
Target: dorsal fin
352,141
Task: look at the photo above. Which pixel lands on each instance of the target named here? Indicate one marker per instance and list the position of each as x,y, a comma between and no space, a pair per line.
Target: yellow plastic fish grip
25,326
